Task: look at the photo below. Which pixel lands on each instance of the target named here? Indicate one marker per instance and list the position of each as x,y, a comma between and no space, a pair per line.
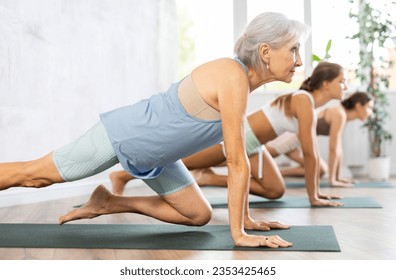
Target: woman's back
271,120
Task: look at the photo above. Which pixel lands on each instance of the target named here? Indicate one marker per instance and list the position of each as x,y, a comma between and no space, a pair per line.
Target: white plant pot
379,168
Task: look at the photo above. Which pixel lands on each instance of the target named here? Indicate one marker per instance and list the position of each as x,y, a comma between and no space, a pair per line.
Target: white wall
62,62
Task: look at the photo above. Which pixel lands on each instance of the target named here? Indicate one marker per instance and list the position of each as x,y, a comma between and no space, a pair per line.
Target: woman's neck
259,78
351,114
320,98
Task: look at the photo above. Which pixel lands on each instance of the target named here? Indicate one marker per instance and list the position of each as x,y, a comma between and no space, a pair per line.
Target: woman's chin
287,80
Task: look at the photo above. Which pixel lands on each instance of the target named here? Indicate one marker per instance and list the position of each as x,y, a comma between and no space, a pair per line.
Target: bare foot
201,176
95,206
118,182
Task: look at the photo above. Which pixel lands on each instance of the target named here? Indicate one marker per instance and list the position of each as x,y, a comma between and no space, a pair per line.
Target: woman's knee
276,193
322,170
191,204
274,190
202,216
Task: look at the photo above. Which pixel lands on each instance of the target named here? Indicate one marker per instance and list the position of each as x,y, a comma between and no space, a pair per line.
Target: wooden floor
363,234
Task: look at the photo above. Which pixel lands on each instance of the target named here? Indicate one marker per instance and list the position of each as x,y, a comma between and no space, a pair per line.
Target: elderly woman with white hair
150,137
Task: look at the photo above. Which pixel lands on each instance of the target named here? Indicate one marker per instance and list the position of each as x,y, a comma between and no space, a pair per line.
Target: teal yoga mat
325,184
297,202
153,237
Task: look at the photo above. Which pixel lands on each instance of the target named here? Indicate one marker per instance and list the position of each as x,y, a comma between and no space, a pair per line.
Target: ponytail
306,85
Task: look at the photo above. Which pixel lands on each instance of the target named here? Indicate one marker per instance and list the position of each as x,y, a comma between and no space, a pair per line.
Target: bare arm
232,99
233,102
307,133
338,120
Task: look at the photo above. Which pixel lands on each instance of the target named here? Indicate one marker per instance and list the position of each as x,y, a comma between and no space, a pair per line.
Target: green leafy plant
326,56
375,29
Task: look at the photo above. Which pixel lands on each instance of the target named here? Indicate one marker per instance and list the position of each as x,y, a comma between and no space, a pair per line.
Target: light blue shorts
93,153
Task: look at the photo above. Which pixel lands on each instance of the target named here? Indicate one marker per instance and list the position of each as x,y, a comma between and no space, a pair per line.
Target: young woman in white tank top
293,112
331,122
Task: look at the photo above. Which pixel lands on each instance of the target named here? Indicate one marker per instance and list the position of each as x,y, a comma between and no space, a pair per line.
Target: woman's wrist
236,234
333,180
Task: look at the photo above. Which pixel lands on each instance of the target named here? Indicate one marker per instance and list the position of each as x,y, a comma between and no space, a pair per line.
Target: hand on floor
273,241
325,202
342,183
328,196
263,225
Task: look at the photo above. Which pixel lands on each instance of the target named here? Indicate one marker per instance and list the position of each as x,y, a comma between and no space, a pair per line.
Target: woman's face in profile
283,61
365,111
338,86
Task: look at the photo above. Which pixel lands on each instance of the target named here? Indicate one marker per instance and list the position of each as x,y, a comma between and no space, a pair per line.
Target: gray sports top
154,132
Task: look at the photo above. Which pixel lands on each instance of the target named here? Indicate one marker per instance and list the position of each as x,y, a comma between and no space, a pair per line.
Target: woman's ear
264,52
326,85
358,107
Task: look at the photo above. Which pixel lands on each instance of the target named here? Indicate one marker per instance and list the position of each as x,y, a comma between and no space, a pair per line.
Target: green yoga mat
297,202
153,237
325,184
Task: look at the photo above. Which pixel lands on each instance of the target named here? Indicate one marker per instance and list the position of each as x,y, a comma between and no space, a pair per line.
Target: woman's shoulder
221,69
301,91
224,65
336,113
219,62
302,95
301,103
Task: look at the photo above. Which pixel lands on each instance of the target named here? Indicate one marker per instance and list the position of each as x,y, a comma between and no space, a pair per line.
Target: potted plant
375,29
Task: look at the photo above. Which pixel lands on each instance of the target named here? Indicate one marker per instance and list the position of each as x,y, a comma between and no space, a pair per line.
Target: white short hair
274,29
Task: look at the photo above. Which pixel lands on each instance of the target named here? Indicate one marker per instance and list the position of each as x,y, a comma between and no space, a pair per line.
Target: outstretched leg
35,174
206,158
207,177
270,186
88,155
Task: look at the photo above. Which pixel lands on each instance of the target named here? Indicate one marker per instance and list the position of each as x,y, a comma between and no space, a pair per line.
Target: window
205,32
335,24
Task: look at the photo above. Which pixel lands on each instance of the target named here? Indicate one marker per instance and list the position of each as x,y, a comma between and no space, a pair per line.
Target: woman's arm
232,98
337,124
307,132
233,102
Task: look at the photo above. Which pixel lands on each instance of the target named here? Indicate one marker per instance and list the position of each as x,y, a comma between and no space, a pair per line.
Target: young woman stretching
331,122
293,112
